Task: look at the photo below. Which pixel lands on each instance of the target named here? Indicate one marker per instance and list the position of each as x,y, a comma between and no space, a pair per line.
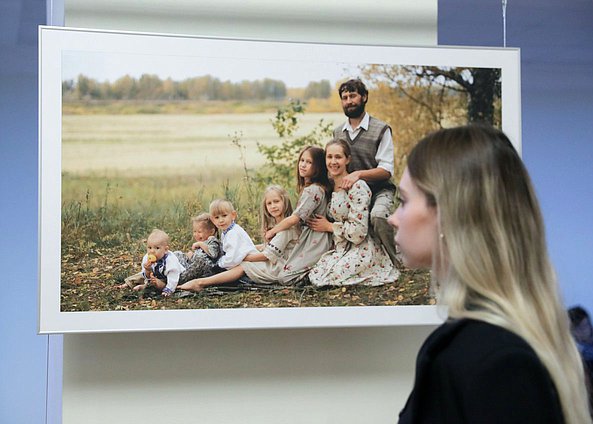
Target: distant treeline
151,87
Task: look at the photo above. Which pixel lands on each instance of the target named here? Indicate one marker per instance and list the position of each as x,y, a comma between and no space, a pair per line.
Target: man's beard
356,112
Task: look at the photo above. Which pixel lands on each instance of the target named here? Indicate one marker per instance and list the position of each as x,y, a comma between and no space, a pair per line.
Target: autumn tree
416,100
87,88
318,89
481,85
151,87
124,88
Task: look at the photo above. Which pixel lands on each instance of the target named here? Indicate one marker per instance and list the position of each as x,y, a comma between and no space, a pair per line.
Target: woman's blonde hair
267,221
492,262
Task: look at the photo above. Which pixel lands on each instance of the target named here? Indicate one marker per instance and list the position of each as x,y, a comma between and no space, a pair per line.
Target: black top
470,371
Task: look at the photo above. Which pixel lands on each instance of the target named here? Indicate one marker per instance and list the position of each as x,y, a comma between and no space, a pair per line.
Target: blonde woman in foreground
505,355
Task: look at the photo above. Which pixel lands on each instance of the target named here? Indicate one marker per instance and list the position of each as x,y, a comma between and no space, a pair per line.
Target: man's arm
385,153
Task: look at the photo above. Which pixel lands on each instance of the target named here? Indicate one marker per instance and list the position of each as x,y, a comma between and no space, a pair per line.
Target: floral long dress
356,258
310,244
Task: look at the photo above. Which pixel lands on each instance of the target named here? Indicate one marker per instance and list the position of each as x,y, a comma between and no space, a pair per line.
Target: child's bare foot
139,287
132,281
193,285
122,286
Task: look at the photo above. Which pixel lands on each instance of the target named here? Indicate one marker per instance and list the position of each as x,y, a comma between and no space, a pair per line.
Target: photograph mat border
54,40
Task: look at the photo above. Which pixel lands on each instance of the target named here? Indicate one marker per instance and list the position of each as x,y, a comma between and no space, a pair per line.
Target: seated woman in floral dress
356,258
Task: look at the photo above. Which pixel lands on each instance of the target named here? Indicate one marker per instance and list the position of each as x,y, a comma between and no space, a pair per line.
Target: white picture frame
55,42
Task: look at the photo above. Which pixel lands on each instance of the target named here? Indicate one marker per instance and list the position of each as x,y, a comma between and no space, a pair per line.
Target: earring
441,236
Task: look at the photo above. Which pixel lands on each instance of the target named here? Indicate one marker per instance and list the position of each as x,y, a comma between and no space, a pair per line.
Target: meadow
124,174
175,144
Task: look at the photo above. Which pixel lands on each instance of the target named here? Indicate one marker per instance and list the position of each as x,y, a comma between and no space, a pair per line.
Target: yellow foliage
411,107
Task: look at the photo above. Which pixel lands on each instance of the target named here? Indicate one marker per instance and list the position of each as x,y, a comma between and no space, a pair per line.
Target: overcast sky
111,66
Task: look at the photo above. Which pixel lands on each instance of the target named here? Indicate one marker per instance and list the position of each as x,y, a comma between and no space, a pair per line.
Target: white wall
292,376
265,376
346,21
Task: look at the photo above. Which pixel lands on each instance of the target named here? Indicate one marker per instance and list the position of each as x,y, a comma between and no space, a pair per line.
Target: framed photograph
143,131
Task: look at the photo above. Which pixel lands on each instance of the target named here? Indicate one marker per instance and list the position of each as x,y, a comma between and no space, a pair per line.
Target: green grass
102,212
105,223
169,144
132,107
89,282
123,175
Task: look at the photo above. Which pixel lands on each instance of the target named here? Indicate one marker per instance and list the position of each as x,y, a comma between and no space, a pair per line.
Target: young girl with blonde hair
275,198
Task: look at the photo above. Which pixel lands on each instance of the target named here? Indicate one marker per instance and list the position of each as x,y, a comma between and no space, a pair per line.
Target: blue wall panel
556,41
23,364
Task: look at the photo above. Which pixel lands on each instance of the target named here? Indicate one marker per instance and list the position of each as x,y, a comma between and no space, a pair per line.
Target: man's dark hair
353,86
577,314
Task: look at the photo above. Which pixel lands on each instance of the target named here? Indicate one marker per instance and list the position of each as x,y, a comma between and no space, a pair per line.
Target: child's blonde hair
204,219
160,234
267,221
218,206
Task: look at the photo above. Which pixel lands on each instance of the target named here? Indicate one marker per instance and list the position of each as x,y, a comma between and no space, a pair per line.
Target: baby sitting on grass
158,266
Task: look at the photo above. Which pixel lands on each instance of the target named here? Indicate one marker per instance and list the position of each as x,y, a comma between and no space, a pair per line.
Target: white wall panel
293,376
399,22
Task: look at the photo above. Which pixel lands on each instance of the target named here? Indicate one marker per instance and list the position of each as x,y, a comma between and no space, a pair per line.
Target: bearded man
372,158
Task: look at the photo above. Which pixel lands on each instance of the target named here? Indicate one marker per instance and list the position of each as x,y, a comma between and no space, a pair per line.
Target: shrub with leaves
281,159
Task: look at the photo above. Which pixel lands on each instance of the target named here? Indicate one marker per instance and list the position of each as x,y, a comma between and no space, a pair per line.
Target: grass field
175,144
123,175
